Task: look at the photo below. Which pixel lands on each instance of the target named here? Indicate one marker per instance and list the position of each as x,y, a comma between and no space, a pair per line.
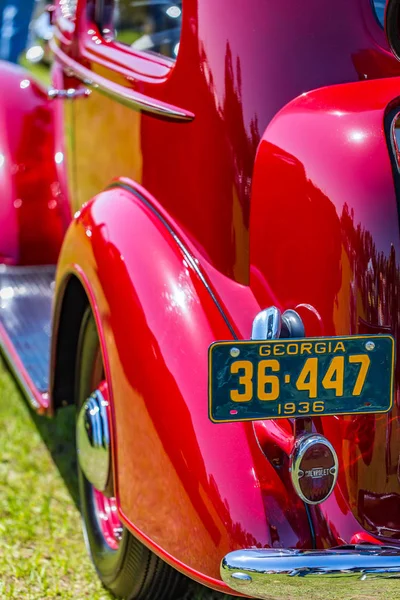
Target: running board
26,295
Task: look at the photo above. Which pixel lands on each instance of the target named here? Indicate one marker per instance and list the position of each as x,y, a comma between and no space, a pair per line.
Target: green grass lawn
42,552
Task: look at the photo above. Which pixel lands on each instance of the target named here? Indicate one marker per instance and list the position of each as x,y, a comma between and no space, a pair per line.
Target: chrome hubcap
93,440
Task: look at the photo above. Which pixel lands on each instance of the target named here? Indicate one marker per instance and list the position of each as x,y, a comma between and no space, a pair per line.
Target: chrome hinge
69,94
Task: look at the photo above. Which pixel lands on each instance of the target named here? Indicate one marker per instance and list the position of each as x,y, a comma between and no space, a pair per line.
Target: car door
109,126
153,116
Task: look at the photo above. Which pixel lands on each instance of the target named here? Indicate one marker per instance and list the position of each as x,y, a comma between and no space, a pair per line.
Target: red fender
323,183
31,223
189,489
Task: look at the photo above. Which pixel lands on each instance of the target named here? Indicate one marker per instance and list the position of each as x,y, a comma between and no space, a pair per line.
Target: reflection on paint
59,157
357,136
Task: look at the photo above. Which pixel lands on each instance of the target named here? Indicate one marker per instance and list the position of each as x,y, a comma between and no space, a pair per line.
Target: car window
379,8
147,25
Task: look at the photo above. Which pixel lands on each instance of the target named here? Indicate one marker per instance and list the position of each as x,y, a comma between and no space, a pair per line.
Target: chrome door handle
70,93
116,91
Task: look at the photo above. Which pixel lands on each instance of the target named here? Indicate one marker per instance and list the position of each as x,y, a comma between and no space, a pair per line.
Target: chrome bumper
277,574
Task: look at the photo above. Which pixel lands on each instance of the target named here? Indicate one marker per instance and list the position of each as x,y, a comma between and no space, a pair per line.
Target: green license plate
304,377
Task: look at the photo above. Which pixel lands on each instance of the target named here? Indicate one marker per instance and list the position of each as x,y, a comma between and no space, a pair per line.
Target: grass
42,553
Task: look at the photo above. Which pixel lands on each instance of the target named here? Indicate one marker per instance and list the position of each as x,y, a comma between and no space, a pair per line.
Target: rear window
147,25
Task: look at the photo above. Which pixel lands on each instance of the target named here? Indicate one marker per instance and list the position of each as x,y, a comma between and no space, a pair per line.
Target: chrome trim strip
69,94
280,573
117,92
25,385
393,142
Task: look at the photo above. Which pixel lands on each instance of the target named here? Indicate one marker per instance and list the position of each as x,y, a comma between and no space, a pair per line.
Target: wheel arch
130,262
69,313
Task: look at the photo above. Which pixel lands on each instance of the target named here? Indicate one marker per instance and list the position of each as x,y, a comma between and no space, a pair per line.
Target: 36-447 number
269,383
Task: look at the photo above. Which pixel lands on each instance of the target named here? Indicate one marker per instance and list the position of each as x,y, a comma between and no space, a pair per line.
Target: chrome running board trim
278,573
37,400
26,294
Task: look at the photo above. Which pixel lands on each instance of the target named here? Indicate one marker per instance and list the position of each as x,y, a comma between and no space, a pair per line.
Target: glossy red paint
216,80
197,477
32,228
62,144
337,249
107,511
191,244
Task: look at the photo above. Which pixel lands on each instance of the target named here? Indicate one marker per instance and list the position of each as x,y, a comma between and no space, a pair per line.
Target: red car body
185,198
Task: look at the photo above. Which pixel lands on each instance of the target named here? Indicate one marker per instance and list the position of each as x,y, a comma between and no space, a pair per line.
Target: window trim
381,25
168,62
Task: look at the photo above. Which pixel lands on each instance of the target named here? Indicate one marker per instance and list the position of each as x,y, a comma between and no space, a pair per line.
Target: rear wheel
125,566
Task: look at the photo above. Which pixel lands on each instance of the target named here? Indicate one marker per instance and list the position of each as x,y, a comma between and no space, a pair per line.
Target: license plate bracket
270,379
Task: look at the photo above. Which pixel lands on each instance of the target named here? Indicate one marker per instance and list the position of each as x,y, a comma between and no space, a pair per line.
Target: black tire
131,571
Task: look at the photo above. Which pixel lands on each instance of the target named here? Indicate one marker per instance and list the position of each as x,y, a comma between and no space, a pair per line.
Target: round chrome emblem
314,468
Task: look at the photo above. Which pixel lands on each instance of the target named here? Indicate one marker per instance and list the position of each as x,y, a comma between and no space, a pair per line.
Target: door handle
116,91
68,94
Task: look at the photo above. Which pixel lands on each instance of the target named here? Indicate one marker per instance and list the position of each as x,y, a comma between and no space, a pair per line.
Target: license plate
250,380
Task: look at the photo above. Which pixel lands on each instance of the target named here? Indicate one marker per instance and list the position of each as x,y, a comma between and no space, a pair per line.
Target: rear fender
324,233
189,489
31,223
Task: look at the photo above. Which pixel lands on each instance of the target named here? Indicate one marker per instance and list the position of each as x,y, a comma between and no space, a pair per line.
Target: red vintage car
200,249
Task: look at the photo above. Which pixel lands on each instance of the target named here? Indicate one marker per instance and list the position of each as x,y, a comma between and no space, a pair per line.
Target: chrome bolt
235,352
241,577
370,346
